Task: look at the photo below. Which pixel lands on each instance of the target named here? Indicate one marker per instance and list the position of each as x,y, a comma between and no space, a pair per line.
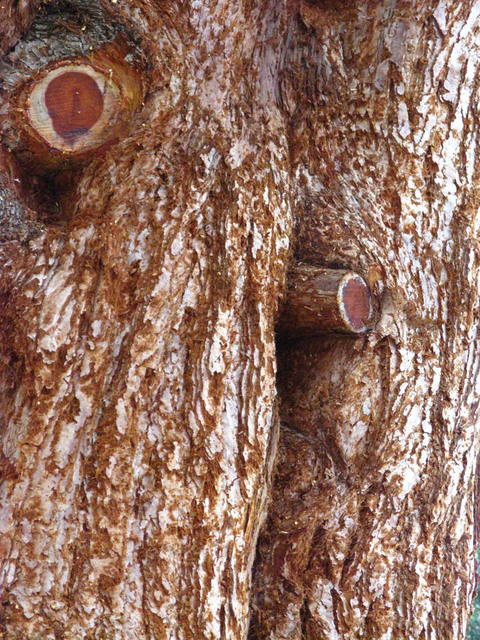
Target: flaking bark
137,356
139,377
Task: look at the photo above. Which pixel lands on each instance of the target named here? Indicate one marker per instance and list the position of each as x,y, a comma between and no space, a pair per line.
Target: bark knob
320,301
74,107
74,103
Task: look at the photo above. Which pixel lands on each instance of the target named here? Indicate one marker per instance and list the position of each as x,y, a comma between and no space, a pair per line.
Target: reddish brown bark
16,17
139,293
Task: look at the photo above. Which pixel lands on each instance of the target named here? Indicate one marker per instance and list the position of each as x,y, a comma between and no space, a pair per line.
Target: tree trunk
140,287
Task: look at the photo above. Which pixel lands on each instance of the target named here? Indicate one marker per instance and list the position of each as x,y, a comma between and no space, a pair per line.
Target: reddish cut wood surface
357,303
74,103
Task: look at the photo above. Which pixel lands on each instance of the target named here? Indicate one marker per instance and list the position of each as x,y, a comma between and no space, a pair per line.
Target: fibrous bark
16,17
370,531
137,360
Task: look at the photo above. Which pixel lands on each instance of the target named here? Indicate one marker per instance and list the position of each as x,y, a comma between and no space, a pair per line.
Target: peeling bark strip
137,356
320,301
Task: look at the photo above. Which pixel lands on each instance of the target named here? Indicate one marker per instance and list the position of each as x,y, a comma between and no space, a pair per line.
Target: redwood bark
370,531
139,295
139,369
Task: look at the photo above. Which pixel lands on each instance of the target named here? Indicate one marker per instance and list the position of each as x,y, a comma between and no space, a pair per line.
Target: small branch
320,301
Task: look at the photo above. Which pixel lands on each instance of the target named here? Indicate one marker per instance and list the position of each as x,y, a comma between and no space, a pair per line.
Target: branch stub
321,301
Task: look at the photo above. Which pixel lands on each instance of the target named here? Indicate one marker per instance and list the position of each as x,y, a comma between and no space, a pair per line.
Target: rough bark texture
137,356
16,16
138,353
370,532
